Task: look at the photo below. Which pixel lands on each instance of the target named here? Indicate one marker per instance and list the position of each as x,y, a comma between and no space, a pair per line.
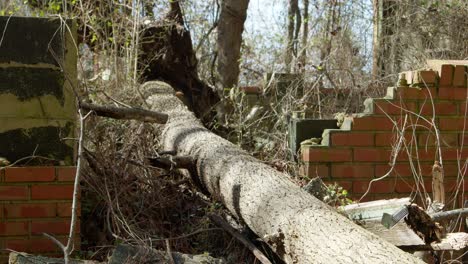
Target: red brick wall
356,154
35,200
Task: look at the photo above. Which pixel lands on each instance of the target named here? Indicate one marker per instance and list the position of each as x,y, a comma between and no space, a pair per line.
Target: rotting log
296,225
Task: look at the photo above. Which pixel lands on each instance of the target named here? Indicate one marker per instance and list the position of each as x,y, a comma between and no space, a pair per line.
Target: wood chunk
453,241
423,225
400,235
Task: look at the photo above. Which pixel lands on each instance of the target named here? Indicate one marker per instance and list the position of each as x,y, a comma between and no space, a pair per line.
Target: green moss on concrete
28,40
43,141
27,83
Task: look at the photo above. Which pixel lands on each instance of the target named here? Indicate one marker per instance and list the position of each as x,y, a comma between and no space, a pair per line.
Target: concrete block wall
37,117
37,105
362,149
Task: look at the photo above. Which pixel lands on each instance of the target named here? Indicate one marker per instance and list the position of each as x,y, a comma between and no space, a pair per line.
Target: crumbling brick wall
363,148
33,201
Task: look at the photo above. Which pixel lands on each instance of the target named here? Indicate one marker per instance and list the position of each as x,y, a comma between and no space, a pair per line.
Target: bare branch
126,113
231,230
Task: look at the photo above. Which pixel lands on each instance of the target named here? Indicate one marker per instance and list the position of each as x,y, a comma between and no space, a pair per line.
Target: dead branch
224,225
125,113
172,162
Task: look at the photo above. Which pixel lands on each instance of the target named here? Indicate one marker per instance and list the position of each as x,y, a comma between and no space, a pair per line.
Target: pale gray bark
296,225
305,37
230,28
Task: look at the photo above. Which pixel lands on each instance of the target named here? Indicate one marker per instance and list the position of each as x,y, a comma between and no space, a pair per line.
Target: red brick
34,245
14,193
463,138
51,192
66,174
454,154
393,107
430,140
352,171
409,186
381,186
372,154
30,210
424,154
403,169
451,169
460,76
52,227
390,139
452,93
456,123
372,123
352,139
14,228
428,78
251,89
29,174
314,170
441,108
462,109
452,185
64,209
416,93
405,186
446,75
320,154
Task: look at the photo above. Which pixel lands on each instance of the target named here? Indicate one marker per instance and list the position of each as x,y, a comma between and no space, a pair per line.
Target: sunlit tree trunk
293,8
230,28
376,38
305,37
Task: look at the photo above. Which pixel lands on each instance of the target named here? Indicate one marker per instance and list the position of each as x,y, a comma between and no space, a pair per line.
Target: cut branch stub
126,113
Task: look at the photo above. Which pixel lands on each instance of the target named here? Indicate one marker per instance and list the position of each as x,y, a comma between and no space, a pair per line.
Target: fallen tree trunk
296,225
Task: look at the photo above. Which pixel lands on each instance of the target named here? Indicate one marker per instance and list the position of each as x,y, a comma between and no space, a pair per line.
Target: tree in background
294,25
407,33
229,40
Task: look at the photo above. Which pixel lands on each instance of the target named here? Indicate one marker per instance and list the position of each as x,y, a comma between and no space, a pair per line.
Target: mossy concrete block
28,40
302,129
27,83
38,61
46,138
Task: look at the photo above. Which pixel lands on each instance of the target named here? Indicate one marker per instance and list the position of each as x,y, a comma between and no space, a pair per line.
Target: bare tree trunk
305,37
293,8
296,225
376,39
230,28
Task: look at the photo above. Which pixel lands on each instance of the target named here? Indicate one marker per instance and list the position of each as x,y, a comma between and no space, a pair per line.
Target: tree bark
293,8
305,37
167,54
230,28
376,39
296,225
